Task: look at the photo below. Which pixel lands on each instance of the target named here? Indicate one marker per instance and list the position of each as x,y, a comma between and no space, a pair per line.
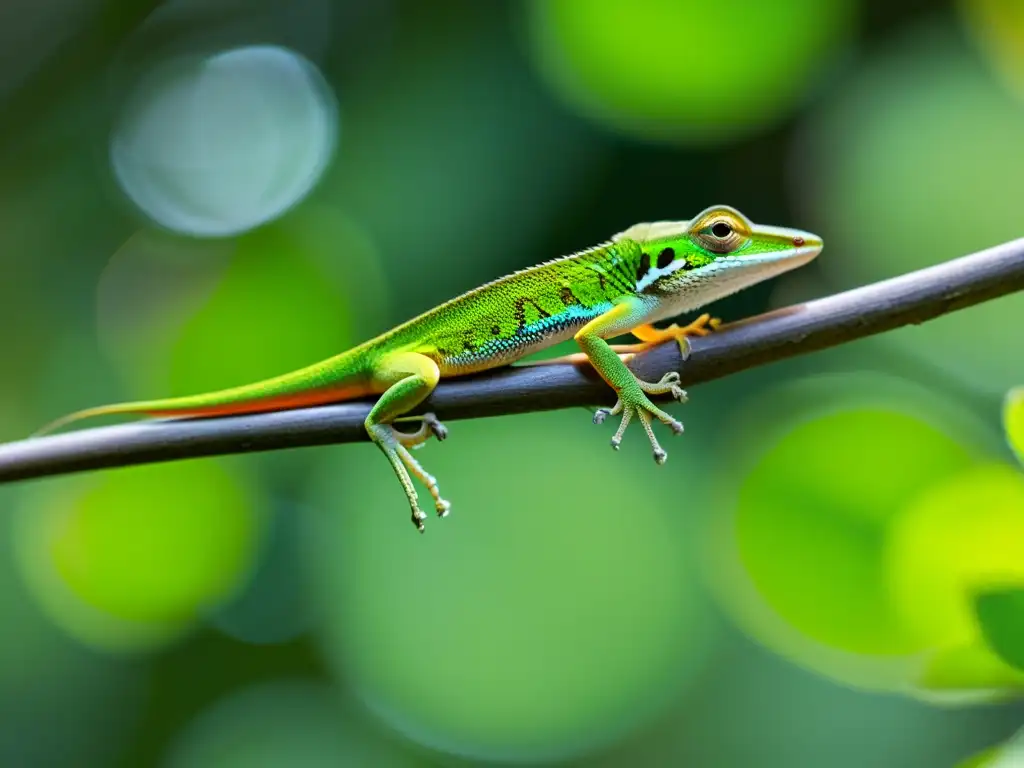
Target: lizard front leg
633,393
649,336
409,377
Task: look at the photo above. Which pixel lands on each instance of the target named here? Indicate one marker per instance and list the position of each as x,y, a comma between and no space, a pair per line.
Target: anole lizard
646,273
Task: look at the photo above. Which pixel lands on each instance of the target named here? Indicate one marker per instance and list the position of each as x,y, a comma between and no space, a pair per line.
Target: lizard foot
702,326
416,469
430,426
418,516
437,429
406,467
633,401
667,385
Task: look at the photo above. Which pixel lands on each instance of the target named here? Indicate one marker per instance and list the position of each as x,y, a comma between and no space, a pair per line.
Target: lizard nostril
798,241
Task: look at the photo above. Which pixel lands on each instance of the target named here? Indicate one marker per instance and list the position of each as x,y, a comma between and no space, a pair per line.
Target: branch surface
912,298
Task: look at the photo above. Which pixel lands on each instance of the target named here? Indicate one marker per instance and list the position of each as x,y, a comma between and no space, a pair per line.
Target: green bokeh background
829,570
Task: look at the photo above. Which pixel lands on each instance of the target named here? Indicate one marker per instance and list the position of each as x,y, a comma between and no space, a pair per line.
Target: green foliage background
829,571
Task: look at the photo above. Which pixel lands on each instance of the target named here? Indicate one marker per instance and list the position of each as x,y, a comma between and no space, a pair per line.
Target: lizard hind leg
410,377
633,393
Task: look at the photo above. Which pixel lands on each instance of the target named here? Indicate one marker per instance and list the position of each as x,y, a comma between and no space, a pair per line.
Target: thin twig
796,330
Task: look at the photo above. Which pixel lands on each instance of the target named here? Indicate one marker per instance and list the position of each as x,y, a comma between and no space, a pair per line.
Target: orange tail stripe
270,403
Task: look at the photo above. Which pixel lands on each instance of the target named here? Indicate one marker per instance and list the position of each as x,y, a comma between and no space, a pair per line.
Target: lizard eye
720,229
720,236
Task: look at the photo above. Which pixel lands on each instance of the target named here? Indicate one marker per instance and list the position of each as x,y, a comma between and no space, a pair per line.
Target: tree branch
796,330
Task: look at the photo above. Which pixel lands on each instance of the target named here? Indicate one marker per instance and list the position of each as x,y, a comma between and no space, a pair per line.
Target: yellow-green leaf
1013,418
1008,755
971,670
1001,616
981,760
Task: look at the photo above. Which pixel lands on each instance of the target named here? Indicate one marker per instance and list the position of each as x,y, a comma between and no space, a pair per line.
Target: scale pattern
521,313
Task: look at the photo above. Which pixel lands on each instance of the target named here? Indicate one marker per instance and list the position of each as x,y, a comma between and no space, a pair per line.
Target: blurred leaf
998,27
184,531
819,490
1009,755
209,314
981,760
1013,418
658,86
960,537
284,722
130,559
275,310
971,670
1001,616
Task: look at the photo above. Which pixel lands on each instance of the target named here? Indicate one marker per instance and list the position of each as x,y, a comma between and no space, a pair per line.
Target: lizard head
713,255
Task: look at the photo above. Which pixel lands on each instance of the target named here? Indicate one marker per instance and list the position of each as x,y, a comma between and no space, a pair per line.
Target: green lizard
647,273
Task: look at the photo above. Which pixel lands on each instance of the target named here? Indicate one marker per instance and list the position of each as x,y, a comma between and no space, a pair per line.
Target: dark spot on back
644,266
520,310
665,257
468,346
567,296
495,329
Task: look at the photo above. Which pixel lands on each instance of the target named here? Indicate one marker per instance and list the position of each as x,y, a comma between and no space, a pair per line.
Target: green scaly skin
647,273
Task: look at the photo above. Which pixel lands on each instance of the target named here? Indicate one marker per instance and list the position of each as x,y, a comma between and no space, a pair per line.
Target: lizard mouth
805,253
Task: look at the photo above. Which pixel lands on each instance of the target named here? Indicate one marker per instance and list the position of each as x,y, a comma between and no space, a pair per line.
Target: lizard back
529,310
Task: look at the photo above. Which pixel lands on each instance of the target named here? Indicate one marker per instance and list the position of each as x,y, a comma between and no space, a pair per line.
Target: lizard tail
332,381
88,413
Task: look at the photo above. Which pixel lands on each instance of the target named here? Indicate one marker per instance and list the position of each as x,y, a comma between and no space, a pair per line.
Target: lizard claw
684,348
418,516
669,384
603,413
437,429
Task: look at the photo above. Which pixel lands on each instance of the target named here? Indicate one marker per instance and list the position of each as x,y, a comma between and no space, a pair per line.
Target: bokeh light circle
133,558
689,72
274,606
49,682
298,723
178,315
550,614
218,145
